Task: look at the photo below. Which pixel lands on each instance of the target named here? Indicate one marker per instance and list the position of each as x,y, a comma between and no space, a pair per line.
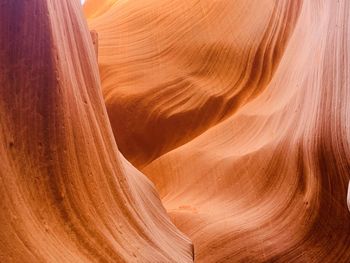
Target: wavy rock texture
238,112
67,194
168,73
96,8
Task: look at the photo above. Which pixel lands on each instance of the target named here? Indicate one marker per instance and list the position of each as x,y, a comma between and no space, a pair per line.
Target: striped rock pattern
238,112
67,194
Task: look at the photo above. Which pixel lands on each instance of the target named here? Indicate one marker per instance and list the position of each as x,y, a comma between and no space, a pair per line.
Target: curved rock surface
238,112
67,194
172,69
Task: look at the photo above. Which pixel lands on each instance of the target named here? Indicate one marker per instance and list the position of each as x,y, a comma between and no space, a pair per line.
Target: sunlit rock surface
236,110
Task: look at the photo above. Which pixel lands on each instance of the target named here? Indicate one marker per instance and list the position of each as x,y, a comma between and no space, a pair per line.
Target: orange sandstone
238,112
67,194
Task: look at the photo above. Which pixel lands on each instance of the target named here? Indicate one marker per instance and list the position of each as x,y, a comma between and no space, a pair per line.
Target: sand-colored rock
67,194
172,69
96,8
238,112
94,37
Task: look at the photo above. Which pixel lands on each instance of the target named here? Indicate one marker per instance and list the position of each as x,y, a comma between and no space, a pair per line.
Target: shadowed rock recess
175,130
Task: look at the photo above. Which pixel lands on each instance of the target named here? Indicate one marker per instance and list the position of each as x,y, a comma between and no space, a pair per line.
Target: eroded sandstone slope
67,194
238,111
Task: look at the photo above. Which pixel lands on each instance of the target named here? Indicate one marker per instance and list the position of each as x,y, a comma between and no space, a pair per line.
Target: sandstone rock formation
238,112
67,194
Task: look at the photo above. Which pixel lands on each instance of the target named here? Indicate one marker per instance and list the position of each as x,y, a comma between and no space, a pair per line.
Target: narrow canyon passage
175,131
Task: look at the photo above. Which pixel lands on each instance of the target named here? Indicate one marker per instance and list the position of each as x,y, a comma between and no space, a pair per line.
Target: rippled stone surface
234,115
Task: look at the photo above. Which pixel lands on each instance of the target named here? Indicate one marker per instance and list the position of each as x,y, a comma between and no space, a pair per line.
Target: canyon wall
67,194
238,112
